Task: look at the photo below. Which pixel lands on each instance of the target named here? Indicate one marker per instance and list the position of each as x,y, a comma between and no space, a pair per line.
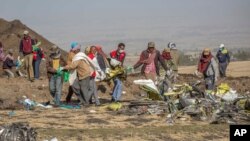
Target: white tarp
149,83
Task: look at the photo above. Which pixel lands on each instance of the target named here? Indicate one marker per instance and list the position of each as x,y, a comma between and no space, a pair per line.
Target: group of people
32,55
87,67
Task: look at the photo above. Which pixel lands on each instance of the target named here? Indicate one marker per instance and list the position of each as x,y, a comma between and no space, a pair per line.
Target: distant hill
11,33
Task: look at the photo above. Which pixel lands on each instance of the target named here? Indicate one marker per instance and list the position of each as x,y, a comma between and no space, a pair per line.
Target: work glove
156,80
168,73
196,73
61,68
59,71
131,69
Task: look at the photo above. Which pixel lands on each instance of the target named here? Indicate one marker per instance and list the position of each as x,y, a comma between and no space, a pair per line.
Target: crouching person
8,63
54,73
80,75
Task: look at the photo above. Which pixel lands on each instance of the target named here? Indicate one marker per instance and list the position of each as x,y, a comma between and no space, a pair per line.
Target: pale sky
188,23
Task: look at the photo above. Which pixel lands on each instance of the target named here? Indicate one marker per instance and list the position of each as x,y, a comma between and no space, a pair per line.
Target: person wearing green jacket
38,56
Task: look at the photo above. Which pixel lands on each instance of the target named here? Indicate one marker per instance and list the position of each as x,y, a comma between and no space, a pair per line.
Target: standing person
80,77
170,65
54,73
167,58
175,58
119,54
92,55
8,63
224,59
38,56
25,49
209,68
149,59
1,52
70,57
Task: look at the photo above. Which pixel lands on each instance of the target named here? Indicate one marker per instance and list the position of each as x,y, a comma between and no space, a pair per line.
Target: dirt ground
235,69
98,123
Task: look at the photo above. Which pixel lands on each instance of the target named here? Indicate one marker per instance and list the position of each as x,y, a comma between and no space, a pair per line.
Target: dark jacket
8,63
101,61
223,56
158,58
49,65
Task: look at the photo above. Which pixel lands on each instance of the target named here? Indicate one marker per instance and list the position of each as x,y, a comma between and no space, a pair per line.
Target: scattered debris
187,100
92,111
11,113
115,106
17,132
53,139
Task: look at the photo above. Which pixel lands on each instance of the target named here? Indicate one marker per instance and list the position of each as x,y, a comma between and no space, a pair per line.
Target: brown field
82,124
235,69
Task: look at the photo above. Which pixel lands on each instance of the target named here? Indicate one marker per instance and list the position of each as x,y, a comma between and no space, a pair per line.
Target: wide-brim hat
166,50
56,54
151,45
25,32
206,51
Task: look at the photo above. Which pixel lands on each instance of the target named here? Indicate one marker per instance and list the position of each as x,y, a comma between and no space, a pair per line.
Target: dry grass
235,69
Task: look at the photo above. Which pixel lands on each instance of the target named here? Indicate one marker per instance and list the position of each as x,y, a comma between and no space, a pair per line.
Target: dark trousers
210,82
93,91
36,67
222,69
82,89
70,93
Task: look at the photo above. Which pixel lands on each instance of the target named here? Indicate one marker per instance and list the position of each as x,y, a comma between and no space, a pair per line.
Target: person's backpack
27,46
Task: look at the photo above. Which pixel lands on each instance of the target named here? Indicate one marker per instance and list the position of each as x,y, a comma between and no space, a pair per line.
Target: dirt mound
11,34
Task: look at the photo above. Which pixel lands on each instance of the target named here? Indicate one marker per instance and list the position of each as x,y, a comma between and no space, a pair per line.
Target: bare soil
82,124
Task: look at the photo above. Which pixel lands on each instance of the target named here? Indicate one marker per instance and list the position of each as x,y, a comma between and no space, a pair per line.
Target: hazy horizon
189,23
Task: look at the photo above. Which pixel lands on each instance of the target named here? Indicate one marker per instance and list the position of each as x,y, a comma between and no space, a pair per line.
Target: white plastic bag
149,83
230,96
114,62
